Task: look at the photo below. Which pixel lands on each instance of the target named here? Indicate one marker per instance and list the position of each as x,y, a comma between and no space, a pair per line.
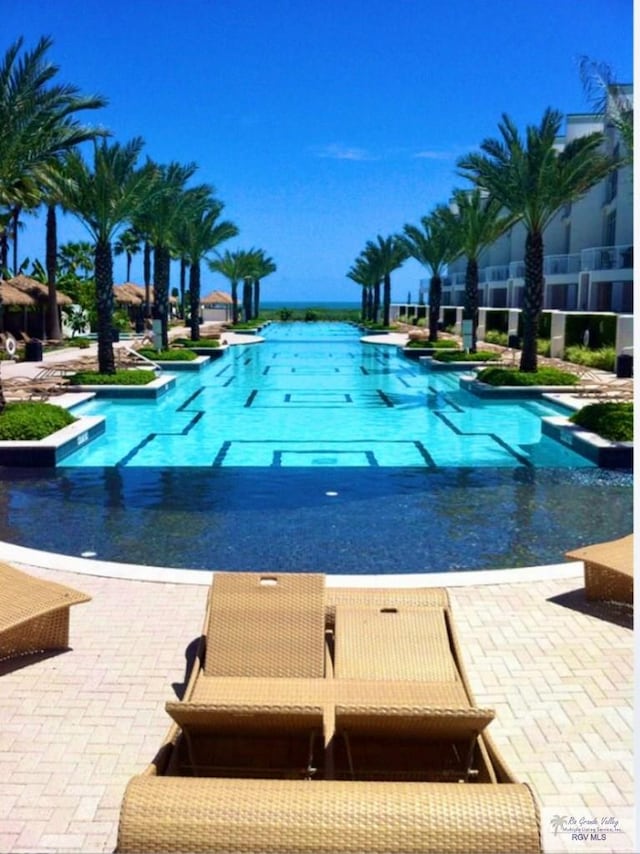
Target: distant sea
310,303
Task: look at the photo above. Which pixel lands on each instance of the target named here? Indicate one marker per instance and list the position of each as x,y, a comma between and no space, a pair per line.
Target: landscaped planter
156,388
600,451
193,365
435,365
470,383
46,453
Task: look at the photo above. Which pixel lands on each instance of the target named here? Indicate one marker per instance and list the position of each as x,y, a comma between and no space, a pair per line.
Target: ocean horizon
272,305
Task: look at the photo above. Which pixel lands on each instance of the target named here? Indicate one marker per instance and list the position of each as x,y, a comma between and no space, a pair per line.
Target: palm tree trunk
256,297
194,300
161,261
376,302
53,318
234,297
363,306
183,276
471,300
4,251
532,305
146,272
370,303
129,256
246,299
435,298
104,302
15,216
386,300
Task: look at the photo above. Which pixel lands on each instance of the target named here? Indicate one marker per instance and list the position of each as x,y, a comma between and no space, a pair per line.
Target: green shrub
29,420
612,421
514,377
543,346
603,359
134,377
440,344
201,342
462,356
492,336
81,343
175,355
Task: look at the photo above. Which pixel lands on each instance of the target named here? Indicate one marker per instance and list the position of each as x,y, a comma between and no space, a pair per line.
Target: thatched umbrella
217,298
37,290
12,296
40,294
125,295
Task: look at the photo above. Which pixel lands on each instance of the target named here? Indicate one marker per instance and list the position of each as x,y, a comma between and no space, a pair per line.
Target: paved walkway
77,725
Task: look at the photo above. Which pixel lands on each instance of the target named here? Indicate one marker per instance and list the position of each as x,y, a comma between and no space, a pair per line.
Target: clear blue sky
320,124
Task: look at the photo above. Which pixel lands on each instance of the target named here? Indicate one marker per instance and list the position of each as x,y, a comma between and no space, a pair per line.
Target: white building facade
588,246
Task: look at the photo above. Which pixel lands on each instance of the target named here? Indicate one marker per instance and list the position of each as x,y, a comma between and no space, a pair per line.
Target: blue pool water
313,395
313,452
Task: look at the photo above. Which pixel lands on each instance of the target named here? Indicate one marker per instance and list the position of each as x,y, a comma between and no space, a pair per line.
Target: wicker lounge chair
608,570
357,745
34,614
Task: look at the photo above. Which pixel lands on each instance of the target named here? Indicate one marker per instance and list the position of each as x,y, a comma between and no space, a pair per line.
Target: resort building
588,261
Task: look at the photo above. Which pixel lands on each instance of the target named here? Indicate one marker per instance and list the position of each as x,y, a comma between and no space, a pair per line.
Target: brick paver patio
77,725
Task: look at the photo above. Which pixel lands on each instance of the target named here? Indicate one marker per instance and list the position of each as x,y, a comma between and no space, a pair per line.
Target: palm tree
532,179
433,247
236,267
104,198
474,221
609,99
386,255
128,244
37,125
201,234
158,222
363,273
264,266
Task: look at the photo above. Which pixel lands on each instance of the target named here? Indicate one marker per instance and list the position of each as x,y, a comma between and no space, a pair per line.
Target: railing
516,270
607,258
557,265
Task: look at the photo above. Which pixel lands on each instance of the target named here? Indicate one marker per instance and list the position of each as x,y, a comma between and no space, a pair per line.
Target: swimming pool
312,395
314,452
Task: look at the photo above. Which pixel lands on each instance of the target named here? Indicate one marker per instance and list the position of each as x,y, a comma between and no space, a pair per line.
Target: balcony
516,270
497,273
561,265
607,258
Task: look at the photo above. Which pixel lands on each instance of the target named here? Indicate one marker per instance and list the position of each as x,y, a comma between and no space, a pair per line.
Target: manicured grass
201,342
440,344
31,420
135,377
462,356
175,355
514,377
612,421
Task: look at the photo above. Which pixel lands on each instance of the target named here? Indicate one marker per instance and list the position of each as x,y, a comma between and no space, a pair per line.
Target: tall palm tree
234,266
609,99
127,244
386,254
433,247
264,266
104,198
158,222
474,221
37,125
203,231
532,179
363,273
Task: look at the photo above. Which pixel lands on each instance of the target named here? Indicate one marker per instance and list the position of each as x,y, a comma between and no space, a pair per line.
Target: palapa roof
126,295
217,298
10,295
137,291
36,290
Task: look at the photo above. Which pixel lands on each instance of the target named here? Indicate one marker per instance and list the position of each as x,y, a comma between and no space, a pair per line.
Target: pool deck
78,724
